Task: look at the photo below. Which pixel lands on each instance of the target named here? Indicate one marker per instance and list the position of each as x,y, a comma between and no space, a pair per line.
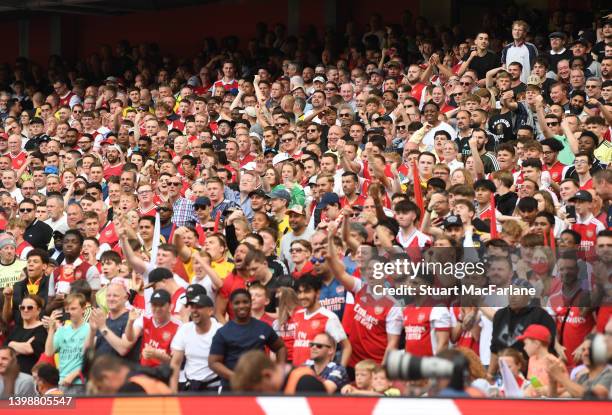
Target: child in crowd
382,384
364,374
516,363
537,338
111,265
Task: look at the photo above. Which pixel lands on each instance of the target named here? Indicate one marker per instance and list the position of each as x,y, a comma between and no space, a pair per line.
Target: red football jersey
573,332
308,326
158,337
373,319
420,324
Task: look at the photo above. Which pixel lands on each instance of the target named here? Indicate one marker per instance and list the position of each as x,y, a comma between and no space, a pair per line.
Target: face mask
539,267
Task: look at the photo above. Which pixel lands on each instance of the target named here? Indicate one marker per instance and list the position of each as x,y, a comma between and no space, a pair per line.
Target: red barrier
283,405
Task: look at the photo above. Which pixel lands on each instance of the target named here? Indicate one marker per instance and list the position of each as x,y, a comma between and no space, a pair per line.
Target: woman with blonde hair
461,176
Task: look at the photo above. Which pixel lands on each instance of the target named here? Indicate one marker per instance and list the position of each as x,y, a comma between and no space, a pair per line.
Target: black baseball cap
582,195
201,300
159,274
194,289
259,192
452,220
160,297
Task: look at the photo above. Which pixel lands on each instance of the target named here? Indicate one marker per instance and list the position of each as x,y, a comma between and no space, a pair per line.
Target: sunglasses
316,260
552,124
200,207
284,124
174,183
401,127
209,229
314,130
465,83
26,210
345,115
163,209
26,307
286,140
319,345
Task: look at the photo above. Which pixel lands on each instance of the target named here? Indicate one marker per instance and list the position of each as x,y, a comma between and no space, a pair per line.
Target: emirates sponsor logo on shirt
362,316
414,332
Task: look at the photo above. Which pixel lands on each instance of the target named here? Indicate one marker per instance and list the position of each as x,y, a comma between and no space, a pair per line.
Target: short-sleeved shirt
333,372
196,348
233,340
117,326
69,343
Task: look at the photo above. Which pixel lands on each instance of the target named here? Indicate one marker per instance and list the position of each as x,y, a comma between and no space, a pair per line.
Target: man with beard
224,131
515,70
238,278
480,59
299,230
259,200
11,267
37,233
114,165
71,269
241,334
414,80
72,136
192,343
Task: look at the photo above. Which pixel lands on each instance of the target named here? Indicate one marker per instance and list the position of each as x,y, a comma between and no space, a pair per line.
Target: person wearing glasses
37,233
28,338
322,352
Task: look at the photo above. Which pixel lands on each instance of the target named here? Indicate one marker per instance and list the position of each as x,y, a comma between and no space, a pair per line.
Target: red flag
418,192
553,244
217,220
493,229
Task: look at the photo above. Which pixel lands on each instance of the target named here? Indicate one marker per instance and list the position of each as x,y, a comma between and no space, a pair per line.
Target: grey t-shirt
24,385
604,379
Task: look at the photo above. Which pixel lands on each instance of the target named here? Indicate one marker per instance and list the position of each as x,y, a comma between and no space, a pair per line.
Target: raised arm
137,263
571,137
334,262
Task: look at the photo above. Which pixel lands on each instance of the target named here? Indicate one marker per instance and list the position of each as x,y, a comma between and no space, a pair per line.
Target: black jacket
20,291
509,324
38,234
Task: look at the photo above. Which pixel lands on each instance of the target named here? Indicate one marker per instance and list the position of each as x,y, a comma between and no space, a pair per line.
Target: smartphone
571,212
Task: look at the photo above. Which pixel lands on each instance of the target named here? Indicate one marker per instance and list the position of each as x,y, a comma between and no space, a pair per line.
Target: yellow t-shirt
222,268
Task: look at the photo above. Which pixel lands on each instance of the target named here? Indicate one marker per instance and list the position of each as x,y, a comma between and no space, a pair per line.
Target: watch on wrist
104,331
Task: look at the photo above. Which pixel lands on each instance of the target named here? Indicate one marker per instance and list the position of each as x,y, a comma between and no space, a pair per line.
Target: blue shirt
334,372
333,297
233,340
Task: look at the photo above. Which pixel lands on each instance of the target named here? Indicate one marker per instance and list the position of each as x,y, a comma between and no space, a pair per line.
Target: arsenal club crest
421,317
339,289
589,233
314,324
166,336
379,310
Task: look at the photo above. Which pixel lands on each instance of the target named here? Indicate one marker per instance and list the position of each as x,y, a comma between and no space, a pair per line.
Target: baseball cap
251,112
159,274
534,80
280,194
202,201
51,170
452,220
536,332
327,199
379,72
160,297
108,140
298,209
201,300
582,195
559,35
318,79
258,192
581,41
270,150
279,158
385,118
193,290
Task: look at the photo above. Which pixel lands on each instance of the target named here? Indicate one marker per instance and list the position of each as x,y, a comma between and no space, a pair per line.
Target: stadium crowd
213,223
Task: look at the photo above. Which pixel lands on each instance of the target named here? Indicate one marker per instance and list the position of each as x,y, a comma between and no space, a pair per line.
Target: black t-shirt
38,234
272,286
19,334
553,60
506,203
233,340
519,89
500,126
484,64
509,324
